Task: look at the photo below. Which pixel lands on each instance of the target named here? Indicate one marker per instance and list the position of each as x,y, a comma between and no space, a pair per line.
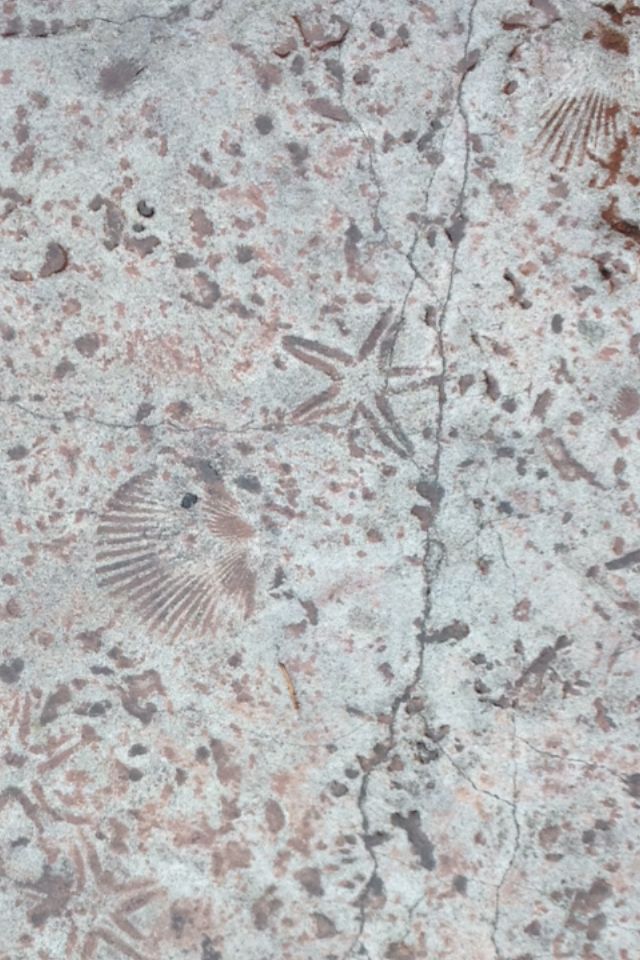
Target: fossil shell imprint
590,113
179,552
579,126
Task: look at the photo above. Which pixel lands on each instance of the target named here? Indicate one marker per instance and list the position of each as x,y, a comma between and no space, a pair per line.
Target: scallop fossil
587,66
180,551
580,126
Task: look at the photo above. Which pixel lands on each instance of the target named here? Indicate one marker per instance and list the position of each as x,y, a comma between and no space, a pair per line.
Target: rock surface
319,610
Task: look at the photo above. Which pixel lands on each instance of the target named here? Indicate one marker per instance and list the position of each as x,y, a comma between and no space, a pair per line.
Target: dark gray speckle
264,124
145,209
416,837
117,76
10,670
627,560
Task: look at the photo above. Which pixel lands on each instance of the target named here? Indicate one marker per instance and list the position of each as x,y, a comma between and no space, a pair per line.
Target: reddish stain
627,403
615,41
55,260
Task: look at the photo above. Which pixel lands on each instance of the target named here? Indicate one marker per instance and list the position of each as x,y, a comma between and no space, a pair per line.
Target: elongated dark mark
621,563
416,837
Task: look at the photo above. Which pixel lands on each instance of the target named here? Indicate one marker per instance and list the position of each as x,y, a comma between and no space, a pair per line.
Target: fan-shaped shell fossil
179,551
578,126
585,67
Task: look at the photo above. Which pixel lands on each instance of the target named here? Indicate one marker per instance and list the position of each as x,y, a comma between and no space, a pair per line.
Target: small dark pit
145,209
264,124
99,708
460,883
189,500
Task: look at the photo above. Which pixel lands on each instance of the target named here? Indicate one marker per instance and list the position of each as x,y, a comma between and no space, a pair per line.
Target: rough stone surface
319,612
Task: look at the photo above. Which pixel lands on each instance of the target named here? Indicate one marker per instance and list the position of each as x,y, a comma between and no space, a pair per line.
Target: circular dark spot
244,254
189,500
264,124
605,272
362,76
353,234
137,750
460,883
145,209
135,775
10,670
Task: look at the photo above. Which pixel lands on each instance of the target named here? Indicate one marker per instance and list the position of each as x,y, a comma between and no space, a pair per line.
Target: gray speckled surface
319,545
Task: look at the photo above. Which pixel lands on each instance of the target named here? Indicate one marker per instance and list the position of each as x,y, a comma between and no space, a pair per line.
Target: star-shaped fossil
362,383
103,907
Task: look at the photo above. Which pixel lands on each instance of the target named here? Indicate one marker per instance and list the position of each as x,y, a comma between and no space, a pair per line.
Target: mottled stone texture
319,547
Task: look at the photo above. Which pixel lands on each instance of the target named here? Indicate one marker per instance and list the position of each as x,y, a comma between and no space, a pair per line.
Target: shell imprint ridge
182,561
575,128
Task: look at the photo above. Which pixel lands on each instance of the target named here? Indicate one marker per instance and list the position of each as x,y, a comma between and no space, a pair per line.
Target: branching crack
370,145
435,550
71,416
463,773
516,844
57,29
578,760
381,754
458,213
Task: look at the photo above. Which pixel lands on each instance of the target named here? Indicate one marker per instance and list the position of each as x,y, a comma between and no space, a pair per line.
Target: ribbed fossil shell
574,128
178,551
